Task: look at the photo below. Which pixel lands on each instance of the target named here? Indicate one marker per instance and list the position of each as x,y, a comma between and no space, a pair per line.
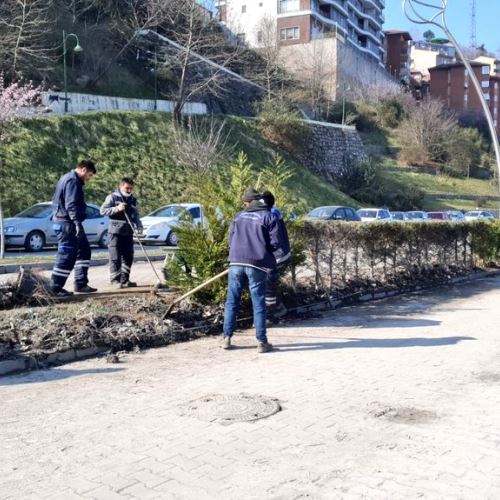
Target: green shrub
390,112
282,126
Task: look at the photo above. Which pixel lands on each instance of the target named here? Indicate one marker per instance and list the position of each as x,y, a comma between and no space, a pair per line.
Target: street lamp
345,88
78,48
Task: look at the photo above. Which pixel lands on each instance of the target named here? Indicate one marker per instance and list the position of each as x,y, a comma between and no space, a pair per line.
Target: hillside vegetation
39,150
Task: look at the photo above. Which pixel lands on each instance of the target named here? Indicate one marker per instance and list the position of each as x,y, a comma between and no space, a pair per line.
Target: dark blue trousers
72,253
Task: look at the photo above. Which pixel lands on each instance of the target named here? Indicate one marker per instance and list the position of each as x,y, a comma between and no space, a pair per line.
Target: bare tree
195,50
315,67
25,43
427,133
270,72
202,145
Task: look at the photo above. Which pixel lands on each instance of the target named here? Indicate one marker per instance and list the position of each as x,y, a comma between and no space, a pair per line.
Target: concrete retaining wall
79,103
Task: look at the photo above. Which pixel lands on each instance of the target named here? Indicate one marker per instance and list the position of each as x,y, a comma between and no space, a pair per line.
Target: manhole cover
227,408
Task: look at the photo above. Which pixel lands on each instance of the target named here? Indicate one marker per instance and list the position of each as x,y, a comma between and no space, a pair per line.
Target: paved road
13,253
397,399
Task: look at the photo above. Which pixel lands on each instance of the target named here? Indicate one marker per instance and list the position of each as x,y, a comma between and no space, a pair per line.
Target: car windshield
473,213
36,212
170,211
321,213
367,213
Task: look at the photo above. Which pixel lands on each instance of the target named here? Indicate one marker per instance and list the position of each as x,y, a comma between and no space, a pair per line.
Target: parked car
478,215
374,214
456,215
399,216
334,213
417,216
159,226
439,216
32,228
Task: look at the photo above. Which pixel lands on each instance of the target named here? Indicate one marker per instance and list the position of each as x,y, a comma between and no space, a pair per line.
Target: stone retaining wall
331,148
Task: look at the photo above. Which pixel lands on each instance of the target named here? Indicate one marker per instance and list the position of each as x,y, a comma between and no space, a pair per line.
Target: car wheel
172,239
104,239
35,241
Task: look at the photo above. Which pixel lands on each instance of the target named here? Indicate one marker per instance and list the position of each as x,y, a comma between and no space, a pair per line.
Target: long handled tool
158,284
194,290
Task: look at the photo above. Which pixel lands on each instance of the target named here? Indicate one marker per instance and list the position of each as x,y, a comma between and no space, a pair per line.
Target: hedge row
340,252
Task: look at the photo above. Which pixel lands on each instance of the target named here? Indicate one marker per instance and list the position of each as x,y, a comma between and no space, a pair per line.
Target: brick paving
396,399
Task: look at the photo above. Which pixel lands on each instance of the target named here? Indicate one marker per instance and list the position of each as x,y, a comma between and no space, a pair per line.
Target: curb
14,268
12,366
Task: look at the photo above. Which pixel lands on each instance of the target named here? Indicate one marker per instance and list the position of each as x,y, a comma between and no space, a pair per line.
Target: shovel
194,290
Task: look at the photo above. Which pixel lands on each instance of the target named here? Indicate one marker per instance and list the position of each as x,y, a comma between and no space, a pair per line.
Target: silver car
32,228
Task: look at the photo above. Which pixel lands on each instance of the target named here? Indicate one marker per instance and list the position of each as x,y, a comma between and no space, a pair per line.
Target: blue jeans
255,279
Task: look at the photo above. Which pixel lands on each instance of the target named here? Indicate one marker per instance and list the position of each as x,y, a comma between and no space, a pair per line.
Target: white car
159,226
32,228
478,215
374,215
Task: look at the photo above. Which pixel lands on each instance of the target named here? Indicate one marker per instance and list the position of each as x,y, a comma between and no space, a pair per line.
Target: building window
289,5
466,97
485,84
485,70
487,97
243,9
290,33
495,123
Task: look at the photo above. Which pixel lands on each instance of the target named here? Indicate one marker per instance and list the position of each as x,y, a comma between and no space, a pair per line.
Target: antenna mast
473,39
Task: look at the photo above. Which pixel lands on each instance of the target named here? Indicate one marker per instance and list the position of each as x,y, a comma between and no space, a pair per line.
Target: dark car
334,213
439,216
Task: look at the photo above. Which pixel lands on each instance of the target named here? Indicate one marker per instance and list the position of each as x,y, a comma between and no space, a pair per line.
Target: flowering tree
15,101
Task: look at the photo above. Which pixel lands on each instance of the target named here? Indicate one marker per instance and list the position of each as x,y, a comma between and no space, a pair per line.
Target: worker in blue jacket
68,214
253,238
275,306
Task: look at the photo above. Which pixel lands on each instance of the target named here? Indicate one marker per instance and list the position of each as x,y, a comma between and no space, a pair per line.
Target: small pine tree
203,249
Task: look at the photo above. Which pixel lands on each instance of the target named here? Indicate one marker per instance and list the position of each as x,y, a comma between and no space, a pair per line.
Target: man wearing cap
253,237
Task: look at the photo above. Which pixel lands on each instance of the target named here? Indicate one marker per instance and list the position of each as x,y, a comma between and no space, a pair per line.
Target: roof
455,65
404,34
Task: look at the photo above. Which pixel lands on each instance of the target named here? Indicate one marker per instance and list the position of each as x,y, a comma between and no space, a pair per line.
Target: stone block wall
331,148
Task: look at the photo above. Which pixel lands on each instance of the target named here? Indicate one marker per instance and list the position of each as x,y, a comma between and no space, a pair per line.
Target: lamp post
345,88
436,10
78,48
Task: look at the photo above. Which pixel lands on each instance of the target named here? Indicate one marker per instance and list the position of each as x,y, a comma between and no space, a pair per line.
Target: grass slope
39,150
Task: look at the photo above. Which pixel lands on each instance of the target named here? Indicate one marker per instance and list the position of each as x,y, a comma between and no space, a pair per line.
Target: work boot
129,284
264,347
85,289
59,292
226,343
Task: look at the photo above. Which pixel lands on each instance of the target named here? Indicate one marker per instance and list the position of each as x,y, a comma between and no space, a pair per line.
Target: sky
458,19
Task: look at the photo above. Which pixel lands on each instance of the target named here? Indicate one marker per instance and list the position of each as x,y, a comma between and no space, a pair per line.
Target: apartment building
425,55
358,23
397,54
451,84
492,62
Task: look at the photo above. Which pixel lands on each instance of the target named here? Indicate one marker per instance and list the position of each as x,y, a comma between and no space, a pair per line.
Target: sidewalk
396,399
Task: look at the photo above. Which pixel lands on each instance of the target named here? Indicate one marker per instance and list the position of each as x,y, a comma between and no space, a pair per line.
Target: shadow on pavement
372,343
53,375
